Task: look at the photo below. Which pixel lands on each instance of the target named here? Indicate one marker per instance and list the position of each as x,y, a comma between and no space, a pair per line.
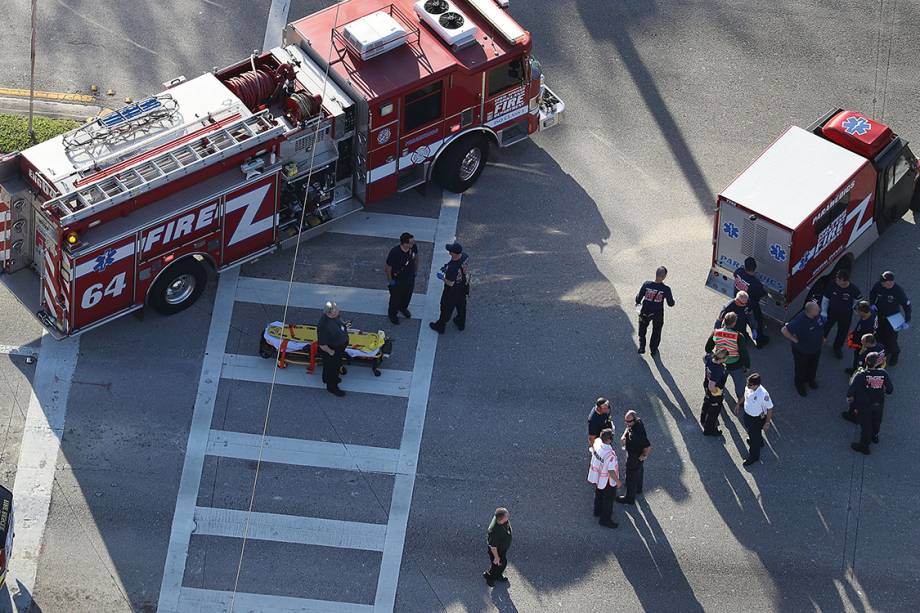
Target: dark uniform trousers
709,417
842,321
603,503
870,420
754,427
453,297
400,296
331,366
806,366
889,338
497,570
635,471
657,321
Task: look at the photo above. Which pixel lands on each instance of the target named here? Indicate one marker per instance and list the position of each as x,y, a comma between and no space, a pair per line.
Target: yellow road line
55,96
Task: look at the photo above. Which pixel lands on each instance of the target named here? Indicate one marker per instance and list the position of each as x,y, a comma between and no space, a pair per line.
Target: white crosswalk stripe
299,452
212,521
195,600
359,379
314,296
385,225
388,538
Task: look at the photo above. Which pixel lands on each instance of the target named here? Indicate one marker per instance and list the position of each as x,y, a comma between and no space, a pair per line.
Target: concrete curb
49,108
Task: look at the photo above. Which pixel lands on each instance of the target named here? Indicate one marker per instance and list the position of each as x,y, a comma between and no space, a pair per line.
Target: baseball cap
454,247
887,276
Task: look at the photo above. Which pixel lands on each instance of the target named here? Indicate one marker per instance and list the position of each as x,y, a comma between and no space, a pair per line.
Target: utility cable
284,315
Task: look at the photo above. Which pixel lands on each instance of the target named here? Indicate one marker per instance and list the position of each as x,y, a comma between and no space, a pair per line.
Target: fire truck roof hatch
375,34
793,177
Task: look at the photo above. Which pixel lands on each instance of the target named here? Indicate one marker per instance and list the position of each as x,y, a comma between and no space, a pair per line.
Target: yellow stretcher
296,343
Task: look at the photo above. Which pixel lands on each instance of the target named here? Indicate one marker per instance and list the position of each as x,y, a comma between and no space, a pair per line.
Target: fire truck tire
178,287
462,163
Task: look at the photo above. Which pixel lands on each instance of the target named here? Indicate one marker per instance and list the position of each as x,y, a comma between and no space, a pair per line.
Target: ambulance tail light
534,103
71,238
169,258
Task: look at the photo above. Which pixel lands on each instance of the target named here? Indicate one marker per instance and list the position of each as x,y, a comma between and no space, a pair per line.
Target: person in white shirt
604,474
758,413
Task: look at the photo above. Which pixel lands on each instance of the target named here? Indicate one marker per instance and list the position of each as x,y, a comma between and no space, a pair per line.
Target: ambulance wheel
178,287
462,163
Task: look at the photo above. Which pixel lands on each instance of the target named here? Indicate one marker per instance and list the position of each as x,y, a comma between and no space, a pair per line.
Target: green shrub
14,130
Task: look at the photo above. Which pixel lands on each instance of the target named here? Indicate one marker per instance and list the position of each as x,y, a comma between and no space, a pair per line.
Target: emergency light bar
499,19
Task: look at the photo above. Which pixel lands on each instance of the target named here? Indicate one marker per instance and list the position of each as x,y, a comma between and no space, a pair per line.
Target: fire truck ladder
141,174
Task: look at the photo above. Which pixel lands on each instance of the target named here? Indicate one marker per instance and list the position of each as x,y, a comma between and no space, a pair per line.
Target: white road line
314,296
277,19
41,441
385,225
417,407
29,352
211,521
183,524
300,452
195,600
359,378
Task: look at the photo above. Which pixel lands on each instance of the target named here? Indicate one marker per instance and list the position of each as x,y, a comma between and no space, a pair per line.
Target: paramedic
889,299
332,337
652,296
806,333
867,395
400,271
837,306
455,275
747,281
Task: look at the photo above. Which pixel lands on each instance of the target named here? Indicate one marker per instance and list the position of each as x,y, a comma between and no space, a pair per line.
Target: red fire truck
809,205
365,99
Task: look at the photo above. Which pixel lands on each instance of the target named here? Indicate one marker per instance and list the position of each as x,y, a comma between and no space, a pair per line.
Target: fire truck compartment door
740,235
250,219
104,282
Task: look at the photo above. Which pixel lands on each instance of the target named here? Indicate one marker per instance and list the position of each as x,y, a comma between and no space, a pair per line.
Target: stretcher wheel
376,370
265,351
343,371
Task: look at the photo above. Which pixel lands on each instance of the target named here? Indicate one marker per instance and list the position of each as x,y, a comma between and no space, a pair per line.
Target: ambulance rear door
739,234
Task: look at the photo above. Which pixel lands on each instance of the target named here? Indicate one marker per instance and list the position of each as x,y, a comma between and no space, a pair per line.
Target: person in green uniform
499,539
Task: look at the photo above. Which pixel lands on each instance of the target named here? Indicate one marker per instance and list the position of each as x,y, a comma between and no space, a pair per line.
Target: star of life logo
731,230
855,125
778,253
105,260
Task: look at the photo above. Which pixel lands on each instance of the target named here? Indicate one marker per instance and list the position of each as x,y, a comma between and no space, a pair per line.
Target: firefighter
598,419
747,281
890,299
741,305
400,270
455,275
758,413
837,306
498,541
332,337
738,360
637,446
867,396
869,345
604,473
715,377
806,333
866,323
652,296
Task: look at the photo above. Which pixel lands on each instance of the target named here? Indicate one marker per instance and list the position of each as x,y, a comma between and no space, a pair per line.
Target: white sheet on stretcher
298,346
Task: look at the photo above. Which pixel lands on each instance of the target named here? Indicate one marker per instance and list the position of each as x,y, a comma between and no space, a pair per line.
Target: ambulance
810,205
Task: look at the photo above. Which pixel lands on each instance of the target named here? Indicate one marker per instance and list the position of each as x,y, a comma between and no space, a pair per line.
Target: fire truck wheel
178,287
462,163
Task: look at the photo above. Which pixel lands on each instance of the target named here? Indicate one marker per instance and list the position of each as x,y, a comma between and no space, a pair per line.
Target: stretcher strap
312,366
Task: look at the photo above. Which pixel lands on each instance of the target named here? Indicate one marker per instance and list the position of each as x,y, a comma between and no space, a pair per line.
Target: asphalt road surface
667,102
